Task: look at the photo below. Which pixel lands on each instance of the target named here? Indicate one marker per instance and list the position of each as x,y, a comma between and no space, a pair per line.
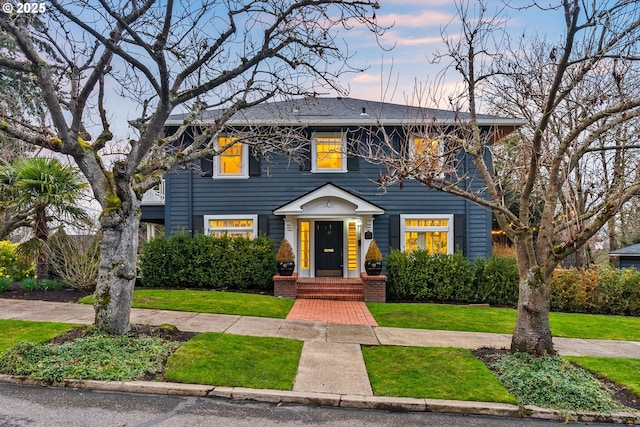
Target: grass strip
501,320
436,373
624,372
236,361
14,331
207,301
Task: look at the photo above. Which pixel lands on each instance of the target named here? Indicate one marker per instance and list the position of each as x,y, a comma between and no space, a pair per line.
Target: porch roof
329,192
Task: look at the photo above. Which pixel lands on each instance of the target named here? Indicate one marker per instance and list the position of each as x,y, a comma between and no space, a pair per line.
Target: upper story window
329,153
234,161
432,233
233,226
425,151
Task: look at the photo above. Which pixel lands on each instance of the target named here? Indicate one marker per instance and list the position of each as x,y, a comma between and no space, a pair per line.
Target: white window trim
448,228
314,152
245,163
254,229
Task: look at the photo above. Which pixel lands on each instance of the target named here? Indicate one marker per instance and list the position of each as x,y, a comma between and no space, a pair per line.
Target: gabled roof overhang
329,192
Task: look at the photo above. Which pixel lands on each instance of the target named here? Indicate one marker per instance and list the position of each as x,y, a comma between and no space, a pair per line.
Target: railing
155,196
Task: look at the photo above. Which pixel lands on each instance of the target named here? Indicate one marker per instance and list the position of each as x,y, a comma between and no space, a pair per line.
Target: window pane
352,248
433,242
230,162
427,150
242,227
329,153
304,245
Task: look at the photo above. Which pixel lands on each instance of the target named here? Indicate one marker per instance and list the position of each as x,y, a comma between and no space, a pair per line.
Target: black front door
328,248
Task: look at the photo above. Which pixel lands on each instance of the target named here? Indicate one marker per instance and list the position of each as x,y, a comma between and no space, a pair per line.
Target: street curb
394,404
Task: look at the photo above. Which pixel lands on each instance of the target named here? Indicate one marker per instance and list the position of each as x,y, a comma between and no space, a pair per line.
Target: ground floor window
233,226
433,233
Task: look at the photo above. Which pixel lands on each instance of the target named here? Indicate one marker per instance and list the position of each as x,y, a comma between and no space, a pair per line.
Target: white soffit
328,193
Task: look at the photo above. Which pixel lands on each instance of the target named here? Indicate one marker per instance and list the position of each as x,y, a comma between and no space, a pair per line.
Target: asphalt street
22,406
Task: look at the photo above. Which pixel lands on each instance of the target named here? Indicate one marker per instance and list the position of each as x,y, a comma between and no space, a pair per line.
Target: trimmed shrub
12,264
420,276
596,290
495,281
207,262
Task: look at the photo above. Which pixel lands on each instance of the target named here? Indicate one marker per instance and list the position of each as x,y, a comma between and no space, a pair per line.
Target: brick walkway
319,310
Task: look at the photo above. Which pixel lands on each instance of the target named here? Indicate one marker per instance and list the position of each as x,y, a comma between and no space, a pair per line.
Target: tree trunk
41,232
533,333
117,272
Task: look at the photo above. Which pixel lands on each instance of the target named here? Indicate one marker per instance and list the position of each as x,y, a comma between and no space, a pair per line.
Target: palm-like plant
43,190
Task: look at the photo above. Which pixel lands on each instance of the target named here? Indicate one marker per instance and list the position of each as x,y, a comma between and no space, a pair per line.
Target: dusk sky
416,37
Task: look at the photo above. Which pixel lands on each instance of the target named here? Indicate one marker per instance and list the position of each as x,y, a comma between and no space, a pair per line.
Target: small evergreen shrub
285,252
5,283
373,253
50,284
29,284
207,262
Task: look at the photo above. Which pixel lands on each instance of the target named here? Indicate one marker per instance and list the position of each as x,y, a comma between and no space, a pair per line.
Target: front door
328,248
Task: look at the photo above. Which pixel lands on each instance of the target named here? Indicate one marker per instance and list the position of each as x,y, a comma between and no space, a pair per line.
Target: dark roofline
341,112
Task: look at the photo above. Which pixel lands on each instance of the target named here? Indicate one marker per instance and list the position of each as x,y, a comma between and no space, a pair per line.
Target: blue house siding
282,181
283,193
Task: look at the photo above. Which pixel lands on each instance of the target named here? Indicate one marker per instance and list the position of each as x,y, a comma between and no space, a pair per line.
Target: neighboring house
627,257
324,200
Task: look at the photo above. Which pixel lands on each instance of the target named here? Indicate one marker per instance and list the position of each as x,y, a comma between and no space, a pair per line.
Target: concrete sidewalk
331,365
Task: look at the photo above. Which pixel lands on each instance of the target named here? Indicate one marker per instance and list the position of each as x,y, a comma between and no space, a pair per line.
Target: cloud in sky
427,18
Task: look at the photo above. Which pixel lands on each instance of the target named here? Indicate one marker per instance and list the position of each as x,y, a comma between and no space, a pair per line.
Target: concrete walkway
331,362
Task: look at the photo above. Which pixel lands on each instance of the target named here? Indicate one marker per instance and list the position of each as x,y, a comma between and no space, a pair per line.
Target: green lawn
436,373
624,372
210,302
236,361
14,331
501,320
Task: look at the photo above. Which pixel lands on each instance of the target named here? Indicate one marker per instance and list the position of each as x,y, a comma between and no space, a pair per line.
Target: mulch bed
169,333
61,295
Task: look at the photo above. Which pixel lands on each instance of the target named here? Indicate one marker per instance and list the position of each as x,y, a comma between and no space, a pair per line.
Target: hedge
602,290
421,277
207,262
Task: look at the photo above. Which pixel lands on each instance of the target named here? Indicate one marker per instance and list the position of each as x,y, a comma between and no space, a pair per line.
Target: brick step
331,296
337,287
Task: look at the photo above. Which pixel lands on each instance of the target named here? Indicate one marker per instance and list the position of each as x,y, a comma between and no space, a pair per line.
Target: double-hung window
233,162
329,153
432,233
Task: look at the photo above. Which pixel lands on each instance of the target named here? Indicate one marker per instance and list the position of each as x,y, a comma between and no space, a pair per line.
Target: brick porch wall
285,286
375,287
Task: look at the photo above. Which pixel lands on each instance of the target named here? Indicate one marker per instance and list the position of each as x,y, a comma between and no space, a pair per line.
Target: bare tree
575,96
166,56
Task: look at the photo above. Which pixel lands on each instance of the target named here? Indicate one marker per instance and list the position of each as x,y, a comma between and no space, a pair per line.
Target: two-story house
325,199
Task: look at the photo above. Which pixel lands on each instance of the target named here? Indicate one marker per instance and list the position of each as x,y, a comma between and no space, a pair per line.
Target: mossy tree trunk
118,270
